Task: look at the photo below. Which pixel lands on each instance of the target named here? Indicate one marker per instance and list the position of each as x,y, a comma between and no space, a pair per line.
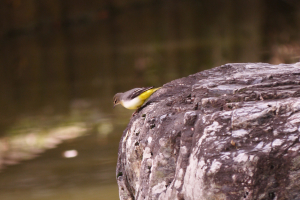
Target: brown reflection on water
61,62
38,161
91,174
103,192
26,144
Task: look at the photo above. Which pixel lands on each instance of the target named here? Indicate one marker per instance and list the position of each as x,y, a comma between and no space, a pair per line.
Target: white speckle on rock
249,66
229,88
178,182
239,133
242,157
294,119
194,175
251,157
214,127
268,128
292,137
277,142
149,162
296,106
162,142
226,115
147,153
257,80
211,84
225,155
125,138
163,162
203,119
290,128
191,113
215,166
149,140
267,148
204,101
211,139
246,115
183,150
295,148
159,188
129,141
234,177
166,154
163,117
180,173
259,146
275,132
189,117
220,145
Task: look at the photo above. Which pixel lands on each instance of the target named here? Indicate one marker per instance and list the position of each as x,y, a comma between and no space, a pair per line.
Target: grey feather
131,94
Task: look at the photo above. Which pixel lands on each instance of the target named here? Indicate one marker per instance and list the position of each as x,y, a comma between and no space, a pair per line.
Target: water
61,63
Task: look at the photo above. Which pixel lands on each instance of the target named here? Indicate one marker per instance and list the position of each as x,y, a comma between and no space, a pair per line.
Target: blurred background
61,62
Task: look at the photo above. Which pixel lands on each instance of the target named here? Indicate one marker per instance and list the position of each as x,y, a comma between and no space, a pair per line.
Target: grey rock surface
231,132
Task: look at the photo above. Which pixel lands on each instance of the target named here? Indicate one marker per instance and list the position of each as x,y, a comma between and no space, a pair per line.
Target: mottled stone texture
231,132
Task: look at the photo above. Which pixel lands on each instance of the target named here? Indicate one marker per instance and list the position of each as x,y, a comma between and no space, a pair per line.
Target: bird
134,98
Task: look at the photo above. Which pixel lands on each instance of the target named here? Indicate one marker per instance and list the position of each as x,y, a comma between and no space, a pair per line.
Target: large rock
231,132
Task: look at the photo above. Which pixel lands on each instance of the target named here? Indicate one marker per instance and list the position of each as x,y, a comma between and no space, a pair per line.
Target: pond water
61,62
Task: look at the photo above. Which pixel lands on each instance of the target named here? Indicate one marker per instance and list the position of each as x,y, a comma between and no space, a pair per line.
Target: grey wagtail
135,98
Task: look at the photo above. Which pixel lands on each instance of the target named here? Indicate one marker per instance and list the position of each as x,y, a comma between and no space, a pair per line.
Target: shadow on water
61,62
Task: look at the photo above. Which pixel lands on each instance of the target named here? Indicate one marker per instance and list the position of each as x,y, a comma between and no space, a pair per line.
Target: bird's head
117,99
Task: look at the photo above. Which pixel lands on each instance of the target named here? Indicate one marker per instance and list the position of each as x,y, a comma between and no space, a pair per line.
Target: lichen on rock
231,132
